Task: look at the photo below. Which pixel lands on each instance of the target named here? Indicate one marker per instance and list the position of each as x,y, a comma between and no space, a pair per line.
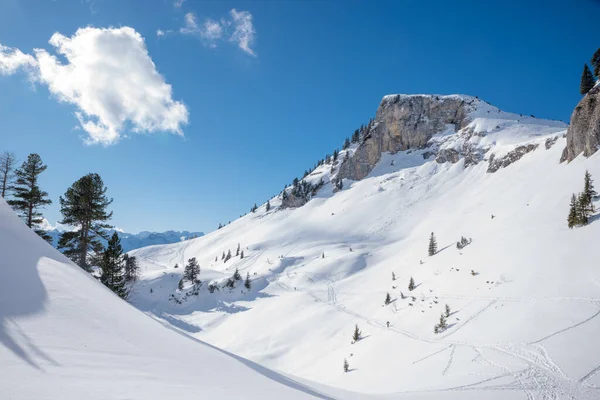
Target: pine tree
388,299
28,197
432,245
247,283
237,252
112,265
323,255
582,209
84,206
336,153
393,276
442,324
8,160
357,335
346,365
596,63
223,256
587,80
411,284
268,206
132,269
242,254
192,271
220,226
346,143
236,275
447,311
589,192
228,256
180,284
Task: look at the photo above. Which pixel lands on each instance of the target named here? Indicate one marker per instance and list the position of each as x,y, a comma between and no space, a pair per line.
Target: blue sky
260,113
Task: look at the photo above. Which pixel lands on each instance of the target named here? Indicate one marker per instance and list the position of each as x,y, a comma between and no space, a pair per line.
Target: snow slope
64,336
524,327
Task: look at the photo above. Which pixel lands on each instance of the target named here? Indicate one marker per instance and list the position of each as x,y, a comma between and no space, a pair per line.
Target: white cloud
243,33
178,3
237,28
109,77
191,26
211,32
11,60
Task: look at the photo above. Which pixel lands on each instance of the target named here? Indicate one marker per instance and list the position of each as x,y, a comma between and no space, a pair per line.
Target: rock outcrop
583,135
407,122
515,155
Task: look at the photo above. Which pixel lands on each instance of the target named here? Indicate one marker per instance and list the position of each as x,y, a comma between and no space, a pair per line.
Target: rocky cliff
583,135
406,122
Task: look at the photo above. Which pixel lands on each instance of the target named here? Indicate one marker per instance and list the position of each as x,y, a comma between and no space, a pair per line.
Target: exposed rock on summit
407,122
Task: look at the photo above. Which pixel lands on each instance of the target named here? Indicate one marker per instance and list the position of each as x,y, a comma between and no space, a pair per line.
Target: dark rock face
583,134
550,142
447,155
407,122
511,157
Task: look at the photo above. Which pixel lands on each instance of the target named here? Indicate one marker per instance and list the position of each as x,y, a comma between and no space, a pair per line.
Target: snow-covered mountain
65,336
524,295
131,241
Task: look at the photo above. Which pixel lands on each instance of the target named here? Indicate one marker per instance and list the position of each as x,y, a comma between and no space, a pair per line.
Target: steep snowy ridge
524,294
64,336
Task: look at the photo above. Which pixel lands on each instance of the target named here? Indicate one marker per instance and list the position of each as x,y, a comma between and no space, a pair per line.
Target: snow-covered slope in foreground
524,326
64,336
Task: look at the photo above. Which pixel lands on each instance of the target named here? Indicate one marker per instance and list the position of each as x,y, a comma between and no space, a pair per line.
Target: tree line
84,206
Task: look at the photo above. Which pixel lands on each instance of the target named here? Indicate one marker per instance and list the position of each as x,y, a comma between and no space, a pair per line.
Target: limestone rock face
583,135
407,122
515,155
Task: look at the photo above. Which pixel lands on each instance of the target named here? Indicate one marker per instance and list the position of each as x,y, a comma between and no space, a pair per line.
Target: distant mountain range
132,241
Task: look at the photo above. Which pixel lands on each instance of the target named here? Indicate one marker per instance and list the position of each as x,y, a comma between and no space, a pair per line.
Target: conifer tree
192,271
356,336
447,311
596,63
335,154
411,284
587,80
346,365
236,275
346,143
442,324
268,206
28,197
432,245
388,299
84,206
228,256
582,209
242,254
247,282
393,276
8,160
589,192
223,256
132,269
237,251
112,265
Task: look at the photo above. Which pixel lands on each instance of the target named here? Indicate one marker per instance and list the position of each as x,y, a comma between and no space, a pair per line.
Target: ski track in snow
542,375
